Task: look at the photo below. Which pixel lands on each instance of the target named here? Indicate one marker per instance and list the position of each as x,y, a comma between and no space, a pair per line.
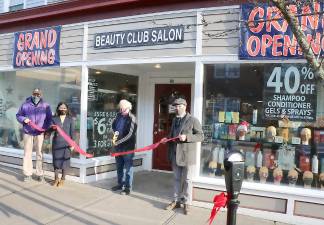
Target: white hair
125,104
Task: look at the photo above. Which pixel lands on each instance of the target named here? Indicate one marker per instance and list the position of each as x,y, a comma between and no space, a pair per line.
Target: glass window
273,114
105,90
57,85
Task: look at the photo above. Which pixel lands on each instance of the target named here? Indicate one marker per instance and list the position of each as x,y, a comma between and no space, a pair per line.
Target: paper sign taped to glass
286,157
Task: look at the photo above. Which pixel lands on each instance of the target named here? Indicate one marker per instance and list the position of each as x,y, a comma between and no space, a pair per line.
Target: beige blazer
186,151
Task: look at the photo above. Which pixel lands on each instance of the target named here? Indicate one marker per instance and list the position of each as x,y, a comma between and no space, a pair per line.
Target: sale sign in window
289,90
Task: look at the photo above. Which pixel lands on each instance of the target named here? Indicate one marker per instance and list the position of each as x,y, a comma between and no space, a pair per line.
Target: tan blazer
186,151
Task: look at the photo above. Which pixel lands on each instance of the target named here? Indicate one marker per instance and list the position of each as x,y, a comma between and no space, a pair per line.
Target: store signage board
140,37
264,35
289,90
37,48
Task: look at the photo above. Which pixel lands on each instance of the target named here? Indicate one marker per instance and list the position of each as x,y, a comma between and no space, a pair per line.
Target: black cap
180,101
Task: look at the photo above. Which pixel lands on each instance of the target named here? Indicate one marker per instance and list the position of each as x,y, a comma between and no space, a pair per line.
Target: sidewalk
40,203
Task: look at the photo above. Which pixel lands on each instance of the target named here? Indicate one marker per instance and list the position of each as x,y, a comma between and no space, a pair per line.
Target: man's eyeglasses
36,94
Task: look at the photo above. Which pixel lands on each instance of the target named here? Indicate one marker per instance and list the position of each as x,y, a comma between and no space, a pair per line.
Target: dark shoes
27,178
173,205
126,191
186,209
40,178
117,188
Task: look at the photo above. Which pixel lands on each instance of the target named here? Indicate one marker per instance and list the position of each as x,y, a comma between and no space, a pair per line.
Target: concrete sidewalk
40,203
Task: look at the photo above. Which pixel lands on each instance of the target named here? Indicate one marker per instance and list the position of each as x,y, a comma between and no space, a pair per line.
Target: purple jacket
40,114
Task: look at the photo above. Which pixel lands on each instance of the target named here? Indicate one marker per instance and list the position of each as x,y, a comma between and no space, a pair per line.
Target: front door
163,115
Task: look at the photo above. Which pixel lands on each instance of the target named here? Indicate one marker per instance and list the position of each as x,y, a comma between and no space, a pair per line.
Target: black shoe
40,178
125,192
173,205
186,209
117,188
27,178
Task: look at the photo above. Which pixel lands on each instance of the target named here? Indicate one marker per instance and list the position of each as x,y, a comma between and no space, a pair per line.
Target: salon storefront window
59,84
273,114
105,90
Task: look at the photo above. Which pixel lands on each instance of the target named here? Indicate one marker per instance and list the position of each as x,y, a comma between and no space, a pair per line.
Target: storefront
152,58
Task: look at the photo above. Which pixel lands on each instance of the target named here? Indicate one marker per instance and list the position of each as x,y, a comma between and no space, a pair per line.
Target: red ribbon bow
220,201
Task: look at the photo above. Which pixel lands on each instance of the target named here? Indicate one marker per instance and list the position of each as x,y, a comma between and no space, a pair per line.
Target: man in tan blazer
182,153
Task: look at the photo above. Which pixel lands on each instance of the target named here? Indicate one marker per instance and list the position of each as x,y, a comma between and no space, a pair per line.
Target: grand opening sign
37,48
265,35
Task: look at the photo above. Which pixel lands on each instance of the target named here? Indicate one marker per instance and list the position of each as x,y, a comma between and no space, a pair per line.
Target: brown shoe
173,205
56,182
186,209
60,184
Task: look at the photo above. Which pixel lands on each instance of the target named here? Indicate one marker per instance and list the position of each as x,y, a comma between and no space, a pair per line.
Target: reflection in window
57,85
105,90
236,117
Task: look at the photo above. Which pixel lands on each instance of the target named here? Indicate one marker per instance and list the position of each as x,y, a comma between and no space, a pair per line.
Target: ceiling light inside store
98,72
157,66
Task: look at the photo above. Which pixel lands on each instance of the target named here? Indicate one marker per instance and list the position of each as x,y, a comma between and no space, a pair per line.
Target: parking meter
234,175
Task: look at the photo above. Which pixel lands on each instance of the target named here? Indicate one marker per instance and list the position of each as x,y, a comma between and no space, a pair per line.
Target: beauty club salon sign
37,48
265,35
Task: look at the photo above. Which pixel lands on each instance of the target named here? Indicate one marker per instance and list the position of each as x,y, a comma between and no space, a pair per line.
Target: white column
199,30
198,105
84,102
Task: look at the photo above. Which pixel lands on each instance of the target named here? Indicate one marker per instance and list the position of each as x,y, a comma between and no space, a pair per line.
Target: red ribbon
146,148
220,201
65,137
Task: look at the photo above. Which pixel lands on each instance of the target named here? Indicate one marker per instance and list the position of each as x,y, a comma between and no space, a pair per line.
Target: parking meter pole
231,211
234,174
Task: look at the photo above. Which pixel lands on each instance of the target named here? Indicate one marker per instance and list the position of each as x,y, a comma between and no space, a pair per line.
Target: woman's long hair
58,106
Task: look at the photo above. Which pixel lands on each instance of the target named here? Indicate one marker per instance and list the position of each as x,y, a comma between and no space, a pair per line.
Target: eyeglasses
36,94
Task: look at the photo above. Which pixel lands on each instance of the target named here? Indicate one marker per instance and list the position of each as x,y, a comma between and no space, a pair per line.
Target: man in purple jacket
34,109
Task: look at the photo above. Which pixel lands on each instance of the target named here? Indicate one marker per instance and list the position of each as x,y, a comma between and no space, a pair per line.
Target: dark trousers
125,162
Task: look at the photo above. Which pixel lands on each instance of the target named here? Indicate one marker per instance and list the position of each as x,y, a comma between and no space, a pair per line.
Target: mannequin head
277,174
285,123
321,180
292,177
308,179
250,171
263,173
271,133
305,135
241,131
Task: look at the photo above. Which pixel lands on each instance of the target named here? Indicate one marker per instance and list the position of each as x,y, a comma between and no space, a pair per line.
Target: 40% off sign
290,91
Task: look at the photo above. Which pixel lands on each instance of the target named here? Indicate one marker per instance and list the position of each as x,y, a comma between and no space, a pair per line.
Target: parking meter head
234,172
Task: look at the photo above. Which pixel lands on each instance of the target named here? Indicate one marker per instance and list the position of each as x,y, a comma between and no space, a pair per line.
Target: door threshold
162,171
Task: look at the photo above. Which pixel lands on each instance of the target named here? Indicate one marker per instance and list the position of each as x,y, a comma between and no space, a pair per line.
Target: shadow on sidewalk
150,186
26,192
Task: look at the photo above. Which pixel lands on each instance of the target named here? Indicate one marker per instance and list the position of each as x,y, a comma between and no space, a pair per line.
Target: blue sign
264,34
37,48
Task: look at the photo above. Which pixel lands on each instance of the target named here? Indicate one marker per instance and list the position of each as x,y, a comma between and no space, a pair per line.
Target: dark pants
125,162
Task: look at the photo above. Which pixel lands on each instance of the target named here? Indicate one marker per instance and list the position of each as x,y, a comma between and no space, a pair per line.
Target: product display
278,146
